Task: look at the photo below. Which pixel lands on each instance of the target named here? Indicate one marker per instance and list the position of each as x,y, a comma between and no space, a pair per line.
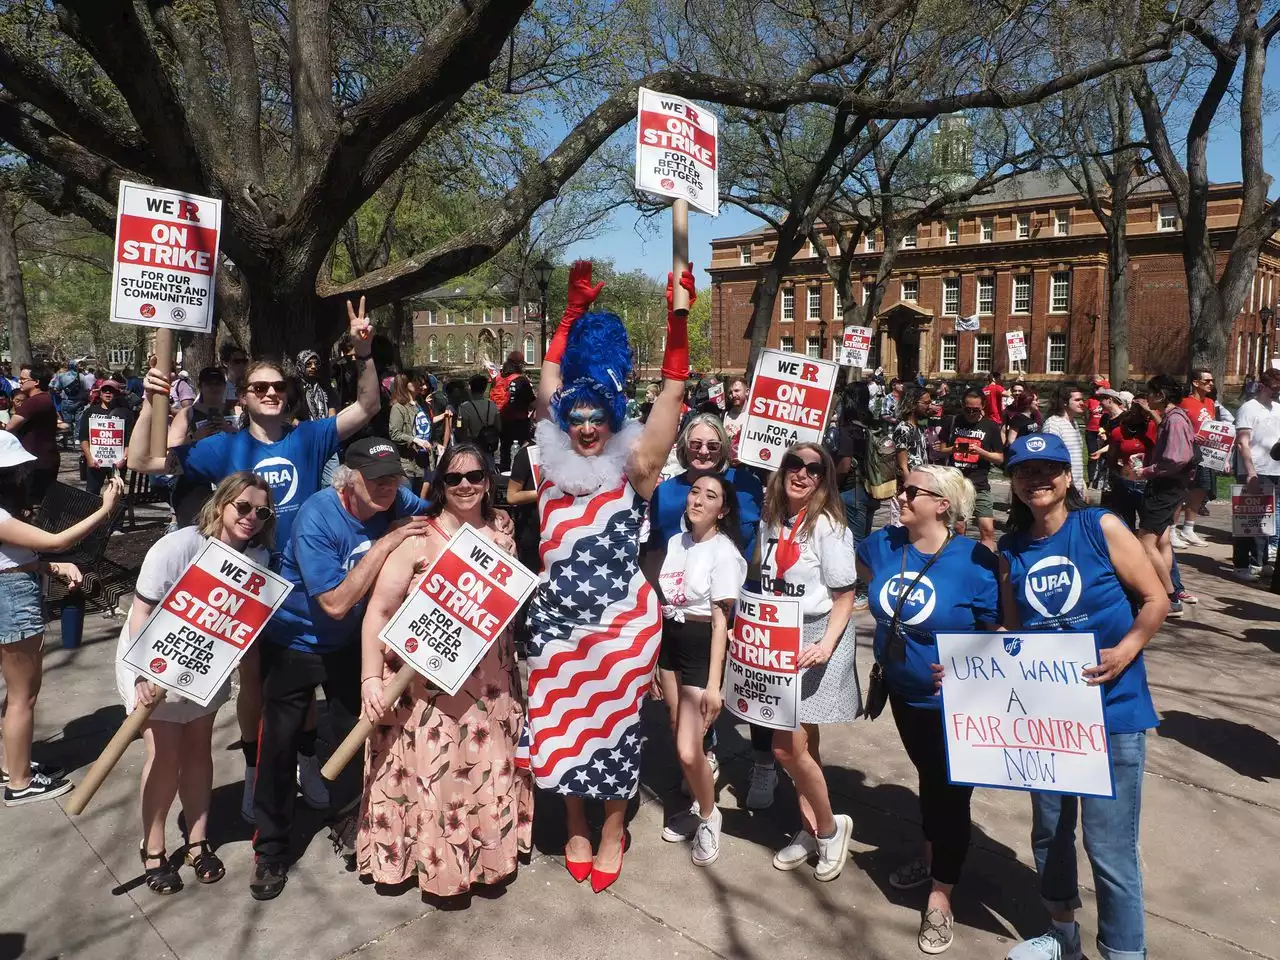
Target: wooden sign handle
160,404
679,253
354,742
110,756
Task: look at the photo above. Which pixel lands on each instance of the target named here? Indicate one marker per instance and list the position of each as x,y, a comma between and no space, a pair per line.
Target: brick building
459,329
1029,256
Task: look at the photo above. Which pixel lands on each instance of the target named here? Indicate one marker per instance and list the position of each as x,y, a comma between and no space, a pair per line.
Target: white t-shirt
1070,435
11,556
1264,427
826,563
696,575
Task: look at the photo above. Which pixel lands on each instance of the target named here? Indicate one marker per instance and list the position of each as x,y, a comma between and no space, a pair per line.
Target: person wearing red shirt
1201,407
1094,438
993,394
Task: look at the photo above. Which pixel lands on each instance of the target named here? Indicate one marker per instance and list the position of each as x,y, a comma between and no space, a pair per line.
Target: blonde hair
824,502
210,519
955,486
703,420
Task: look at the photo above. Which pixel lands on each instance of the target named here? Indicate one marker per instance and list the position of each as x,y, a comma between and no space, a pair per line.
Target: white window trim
1022,226
809,344
977,341
1030,292
813,311
788,294
1052,276
903,293
1048,352
1160,217
953,232
952,340
951,311
991,309
869,243
910,241
1062,223
986,229
744,254
782,344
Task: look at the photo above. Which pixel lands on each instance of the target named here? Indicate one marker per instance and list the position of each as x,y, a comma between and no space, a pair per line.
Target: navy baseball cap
1037,446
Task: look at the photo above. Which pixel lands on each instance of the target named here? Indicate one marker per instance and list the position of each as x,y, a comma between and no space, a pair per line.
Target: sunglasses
580,418
794,464
244,508
453,478
912,491
710,446
260,388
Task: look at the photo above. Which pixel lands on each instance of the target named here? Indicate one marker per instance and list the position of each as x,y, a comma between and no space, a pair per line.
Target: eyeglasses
973,411
580,418
912,491
244,508
794,464
260,388
710,446
453,478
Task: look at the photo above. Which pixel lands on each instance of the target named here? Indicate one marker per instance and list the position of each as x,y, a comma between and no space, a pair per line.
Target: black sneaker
267,880
50,771
41,787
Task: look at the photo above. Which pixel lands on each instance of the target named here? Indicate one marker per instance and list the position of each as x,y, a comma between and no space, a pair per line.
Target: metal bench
105,581
141,490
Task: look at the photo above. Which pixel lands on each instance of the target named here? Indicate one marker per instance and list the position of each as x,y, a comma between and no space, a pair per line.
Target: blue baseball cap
1037,446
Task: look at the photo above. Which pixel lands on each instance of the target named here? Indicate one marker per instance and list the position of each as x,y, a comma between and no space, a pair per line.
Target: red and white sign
106,439
535,465
1016,341
202,627
789,403
1253,514
715,393
761,680
464,601
676,149
855,347
1215,439
166,258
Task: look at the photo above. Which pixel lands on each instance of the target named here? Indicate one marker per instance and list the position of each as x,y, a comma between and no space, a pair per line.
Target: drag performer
594,621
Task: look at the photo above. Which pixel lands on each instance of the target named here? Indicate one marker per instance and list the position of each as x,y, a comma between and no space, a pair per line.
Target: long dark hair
15,491
731,523
857,403
436,504
1020,518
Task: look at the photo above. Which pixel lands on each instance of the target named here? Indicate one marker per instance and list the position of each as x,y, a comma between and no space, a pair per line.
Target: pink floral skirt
443,797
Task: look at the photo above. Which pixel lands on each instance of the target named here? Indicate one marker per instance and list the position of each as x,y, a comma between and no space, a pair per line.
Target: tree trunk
13,303
284,320
199,351
1118,306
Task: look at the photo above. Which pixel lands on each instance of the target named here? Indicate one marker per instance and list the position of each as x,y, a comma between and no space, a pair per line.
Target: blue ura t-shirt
293,466
1068,582
959,593
667,507
327,542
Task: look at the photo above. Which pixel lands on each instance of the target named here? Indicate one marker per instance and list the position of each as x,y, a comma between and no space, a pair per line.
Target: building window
1024,226
870,243
953,232
1056,353
1061,223
988,230
1060,292
950,351
1168,216
951,297
433,350
1239,349
982,353
448,316
788,305
450,349
120,357
468,349
744,254
506,314
431,318
815,303
909,240
986,294
1022,293
911,290
866,293
813,347
487,315
809,250
787,344
529,343
837,305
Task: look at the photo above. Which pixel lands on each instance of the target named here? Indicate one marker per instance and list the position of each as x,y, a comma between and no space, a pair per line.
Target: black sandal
162,879
209,868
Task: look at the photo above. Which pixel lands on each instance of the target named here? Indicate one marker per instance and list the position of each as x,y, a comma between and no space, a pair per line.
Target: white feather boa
578,475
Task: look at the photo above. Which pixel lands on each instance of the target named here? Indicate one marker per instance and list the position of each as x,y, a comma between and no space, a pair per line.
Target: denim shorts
21,607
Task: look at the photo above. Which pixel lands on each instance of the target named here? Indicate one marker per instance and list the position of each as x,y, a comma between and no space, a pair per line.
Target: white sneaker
1247,574
833,852
315,792
794,854
1053,945
1190,536
706,842
1176,540
682,826
246,801
760,788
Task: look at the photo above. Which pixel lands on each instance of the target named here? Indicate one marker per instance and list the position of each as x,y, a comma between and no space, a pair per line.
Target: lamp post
822,338
542,271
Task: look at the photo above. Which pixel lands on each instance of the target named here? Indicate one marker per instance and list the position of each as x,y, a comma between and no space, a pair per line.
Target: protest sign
1253,514
166,258
1214,440
761,681
1017,344
676,151
715,393
200,630
106,439
464,601
789,402
855,347
1020,714
535,465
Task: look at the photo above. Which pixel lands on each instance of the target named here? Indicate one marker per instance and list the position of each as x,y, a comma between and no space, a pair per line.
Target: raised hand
686,281
582,293
360,328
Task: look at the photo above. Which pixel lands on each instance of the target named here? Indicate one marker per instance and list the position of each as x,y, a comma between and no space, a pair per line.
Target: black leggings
944,808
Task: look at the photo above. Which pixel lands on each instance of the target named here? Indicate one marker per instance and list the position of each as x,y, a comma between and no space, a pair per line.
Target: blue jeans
1110,842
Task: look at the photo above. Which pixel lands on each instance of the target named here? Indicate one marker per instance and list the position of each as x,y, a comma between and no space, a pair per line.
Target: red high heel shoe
579,870
600,880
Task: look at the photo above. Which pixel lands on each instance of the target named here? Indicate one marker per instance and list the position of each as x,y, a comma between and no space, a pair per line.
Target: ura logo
919,604
1035,444
282,475
1053,586
359,551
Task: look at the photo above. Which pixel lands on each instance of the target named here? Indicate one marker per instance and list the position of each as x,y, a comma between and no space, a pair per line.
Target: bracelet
364,680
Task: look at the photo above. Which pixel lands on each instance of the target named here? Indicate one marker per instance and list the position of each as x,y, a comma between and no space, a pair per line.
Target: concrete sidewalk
72,887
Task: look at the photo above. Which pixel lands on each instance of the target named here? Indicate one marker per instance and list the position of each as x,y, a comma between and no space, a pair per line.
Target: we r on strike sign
676,149
789,403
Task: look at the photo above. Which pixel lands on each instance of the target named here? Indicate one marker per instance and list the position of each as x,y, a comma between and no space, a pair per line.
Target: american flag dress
595,628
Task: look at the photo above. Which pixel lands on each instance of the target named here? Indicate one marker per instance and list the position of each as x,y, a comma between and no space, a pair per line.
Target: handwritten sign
789,402
1214,440
464,601
1016,341
106,439
676,151
855,347
761,682
1253,514
1019,713
200,630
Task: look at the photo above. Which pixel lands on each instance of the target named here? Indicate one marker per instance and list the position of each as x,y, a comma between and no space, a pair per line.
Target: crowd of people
643,529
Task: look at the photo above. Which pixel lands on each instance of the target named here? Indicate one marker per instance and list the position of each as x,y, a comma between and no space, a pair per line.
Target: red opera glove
675,358
582,293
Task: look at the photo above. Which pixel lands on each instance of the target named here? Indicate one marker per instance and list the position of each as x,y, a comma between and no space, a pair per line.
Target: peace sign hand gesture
360,328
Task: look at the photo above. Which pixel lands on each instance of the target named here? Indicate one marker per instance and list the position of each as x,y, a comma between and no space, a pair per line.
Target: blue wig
595,369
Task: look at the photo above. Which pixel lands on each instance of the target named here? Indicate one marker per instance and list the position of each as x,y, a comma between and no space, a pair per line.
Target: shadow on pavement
12,945
1247,750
